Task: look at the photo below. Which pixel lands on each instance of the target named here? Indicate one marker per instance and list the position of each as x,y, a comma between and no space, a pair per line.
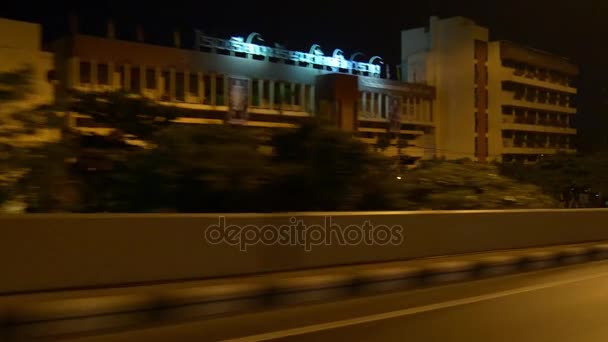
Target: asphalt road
564,304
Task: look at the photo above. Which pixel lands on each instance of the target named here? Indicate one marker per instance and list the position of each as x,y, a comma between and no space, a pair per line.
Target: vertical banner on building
394,114
238,100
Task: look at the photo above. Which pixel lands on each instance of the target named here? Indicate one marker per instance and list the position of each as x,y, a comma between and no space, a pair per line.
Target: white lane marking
406,312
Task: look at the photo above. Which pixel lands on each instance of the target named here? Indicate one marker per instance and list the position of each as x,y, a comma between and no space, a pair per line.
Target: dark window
255,91
150,78
165,76
296,94
179,86
135,79
103,74
219,91
278,93
121,75
85,72
193,79
207,83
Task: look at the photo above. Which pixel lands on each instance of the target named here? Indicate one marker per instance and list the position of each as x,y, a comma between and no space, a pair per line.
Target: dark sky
573,28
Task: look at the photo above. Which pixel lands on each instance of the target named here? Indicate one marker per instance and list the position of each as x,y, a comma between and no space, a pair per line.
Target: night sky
574,29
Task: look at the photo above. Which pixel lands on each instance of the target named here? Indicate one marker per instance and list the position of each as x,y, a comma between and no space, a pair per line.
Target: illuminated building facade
282,88
496,100
463,96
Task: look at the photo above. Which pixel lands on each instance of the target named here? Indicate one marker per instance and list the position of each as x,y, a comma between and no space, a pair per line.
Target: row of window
538,95
537,140
187,86
528,71
378,105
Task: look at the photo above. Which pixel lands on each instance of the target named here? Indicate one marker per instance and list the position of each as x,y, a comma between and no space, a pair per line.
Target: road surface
563,304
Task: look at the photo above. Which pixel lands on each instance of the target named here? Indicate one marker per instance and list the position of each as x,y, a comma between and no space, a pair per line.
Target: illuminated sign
314,57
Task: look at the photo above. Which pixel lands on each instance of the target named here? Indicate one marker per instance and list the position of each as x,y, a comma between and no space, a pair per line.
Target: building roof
537,58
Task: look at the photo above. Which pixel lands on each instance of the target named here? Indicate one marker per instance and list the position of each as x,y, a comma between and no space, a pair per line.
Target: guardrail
29,320
49,252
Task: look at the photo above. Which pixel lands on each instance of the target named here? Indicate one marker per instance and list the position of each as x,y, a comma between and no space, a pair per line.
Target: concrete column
380,105
142,79
363,102
201,87
386,104
111,68
186,85
157,80
271,95
213,85
172,84
261,92
94,74
127,70
312,100
75,71
372,104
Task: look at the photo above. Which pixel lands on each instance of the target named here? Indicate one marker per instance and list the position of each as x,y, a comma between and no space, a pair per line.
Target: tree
191,169
127,114
467,185
322,168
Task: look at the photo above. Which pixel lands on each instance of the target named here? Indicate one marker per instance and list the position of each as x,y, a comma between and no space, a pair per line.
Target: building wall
20,50
199,81
477,81
533,99
449,67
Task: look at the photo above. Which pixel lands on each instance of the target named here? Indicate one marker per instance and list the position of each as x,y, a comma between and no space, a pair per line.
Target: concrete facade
495,100
281,93
21,55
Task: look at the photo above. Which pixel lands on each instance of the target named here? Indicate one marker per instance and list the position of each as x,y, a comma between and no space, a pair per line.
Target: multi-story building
26,71
495,100
464,96
281,88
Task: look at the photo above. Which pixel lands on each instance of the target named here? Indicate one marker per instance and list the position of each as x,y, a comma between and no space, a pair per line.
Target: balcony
535,150
533,125
539,106
519,76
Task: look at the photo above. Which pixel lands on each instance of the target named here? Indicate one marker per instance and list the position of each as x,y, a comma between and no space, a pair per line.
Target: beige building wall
20,48
443,55
504,126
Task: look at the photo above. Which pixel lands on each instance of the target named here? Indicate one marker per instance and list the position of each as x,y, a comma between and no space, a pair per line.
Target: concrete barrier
48,252
32,319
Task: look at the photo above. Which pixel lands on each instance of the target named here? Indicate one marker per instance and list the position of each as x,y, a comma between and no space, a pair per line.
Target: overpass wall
56,251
